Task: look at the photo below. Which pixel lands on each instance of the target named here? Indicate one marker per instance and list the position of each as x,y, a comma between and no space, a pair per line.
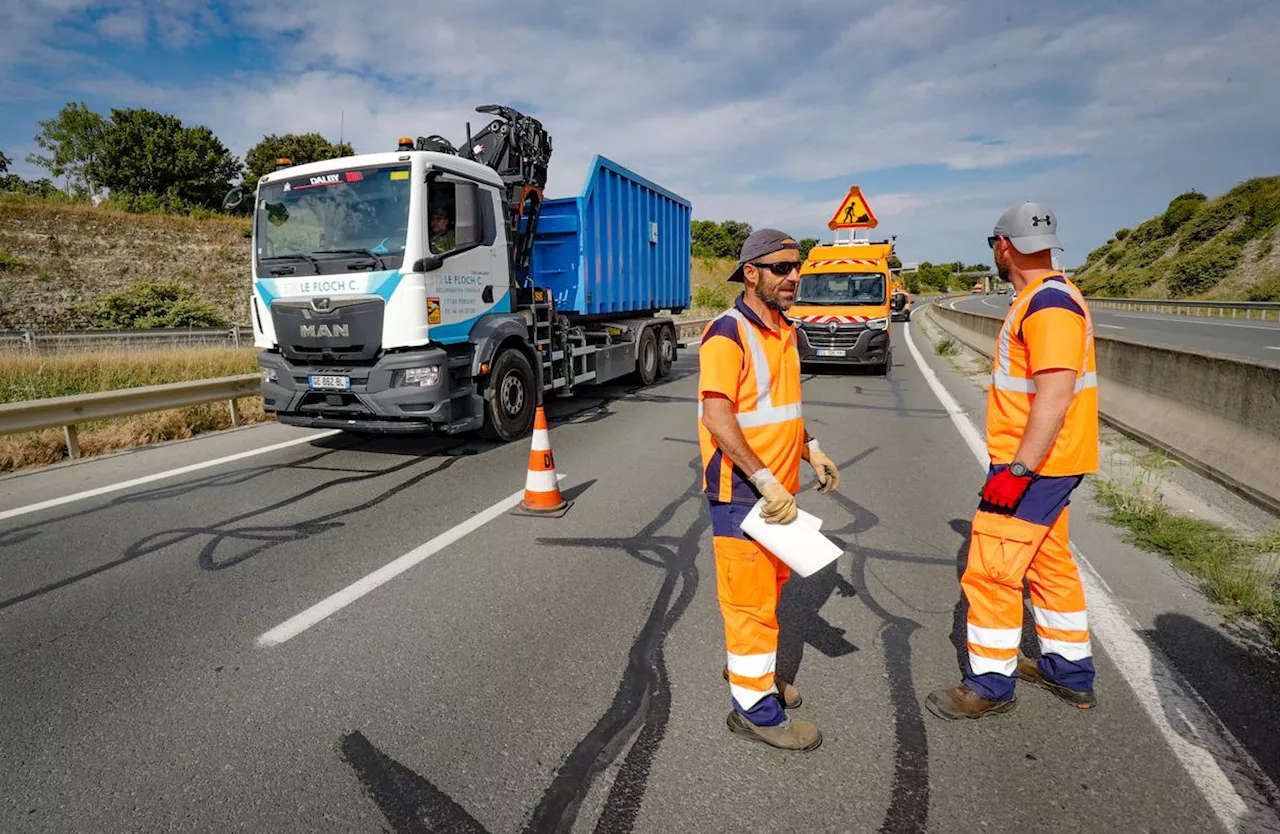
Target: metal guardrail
66,412
1258,310
690,328
78,341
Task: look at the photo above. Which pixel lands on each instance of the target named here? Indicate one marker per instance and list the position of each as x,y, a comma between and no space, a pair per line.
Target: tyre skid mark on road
640,709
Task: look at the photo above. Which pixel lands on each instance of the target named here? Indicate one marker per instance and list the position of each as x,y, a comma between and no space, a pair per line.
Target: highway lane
1255,340
537,674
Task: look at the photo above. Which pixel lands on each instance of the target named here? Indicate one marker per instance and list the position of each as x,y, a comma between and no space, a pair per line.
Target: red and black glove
1005,489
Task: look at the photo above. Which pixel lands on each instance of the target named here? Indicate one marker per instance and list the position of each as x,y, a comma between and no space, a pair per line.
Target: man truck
433,289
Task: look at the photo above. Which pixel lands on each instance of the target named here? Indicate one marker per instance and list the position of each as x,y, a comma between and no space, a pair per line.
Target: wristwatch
1020,471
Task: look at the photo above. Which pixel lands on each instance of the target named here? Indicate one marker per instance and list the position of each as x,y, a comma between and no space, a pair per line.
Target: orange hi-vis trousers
1003,551
749,582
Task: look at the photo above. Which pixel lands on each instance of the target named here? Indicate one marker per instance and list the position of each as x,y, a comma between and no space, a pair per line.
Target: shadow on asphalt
1245,700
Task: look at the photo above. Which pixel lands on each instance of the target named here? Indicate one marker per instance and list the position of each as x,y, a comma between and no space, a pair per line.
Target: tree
894,263
300,148
719,240
145,152
73,139
5,162
807,243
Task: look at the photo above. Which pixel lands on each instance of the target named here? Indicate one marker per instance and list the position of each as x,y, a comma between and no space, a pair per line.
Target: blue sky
945,113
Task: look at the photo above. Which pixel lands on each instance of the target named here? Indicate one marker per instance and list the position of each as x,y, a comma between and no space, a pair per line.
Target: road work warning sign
854,213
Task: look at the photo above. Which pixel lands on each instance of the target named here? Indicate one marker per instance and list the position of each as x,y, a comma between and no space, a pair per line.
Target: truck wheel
647,356
666,351
509,398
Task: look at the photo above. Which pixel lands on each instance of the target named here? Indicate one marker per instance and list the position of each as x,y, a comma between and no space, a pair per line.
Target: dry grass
27,378
76,252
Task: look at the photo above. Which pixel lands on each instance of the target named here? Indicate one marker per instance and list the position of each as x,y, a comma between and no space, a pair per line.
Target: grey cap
759,244
1030,227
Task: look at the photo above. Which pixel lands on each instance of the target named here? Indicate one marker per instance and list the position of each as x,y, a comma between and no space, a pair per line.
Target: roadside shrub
12,263
1209,221
1181,209
1196,271
710,297
1115,256
1123,233
152,305
1268,290
1147,231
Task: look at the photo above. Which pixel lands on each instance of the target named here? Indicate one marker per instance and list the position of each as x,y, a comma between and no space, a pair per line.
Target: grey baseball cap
1030,227
759,244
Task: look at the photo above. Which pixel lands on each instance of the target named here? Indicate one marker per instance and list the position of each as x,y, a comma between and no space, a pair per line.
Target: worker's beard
1002,267
772,298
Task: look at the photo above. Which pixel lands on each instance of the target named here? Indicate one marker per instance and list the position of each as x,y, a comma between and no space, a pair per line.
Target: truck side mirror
233,199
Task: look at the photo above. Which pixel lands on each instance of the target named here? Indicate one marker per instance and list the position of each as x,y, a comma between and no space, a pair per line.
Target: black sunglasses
781,268
991,241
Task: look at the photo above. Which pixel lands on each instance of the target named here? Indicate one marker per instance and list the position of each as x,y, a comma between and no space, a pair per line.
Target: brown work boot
1030,672
789,694
962,702
792,734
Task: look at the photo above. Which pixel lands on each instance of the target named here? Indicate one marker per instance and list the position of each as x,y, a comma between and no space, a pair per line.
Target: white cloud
1136,101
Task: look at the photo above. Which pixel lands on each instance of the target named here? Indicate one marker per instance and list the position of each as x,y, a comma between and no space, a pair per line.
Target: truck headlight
269,375
421,377
878,324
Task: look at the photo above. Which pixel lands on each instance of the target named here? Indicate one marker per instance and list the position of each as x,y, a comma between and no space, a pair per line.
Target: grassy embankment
24,377
1221,249
1239,572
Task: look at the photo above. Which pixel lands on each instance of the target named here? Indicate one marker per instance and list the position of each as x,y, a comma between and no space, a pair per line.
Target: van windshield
834,288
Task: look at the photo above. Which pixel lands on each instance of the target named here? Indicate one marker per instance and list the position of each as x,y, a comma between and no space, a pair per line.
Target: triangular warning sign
854,213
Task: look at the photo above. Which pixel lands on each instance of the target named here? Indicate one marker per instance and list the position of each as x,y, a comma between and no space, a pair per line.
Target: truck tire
647,356
509,398
666,350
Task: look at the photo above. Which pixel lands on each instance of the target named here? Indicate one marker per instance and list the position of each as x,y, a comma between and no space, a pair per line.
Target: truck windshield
334,222
841,288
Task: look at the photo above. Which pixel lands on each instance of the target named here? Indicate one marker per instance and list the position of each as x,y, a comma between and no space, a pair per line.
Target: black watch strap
1019,470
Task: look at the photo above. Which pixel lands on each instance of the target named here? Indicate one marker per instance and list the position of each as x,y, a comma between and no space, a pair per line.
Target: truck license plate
331,383
830,352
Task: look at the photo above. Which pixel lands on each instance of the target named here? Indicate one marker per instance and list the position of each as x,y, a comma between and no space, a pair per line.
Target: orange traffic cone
542,486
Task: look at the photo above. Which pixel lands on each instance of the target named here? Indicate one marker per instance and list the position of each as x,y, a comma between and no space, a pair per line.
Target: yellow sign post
854,213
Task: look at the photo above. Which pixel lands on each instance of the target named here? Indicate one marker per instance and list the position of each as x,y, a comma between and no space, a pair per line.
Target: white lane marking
1111,326
299,623
1241,795
159,476
1189,320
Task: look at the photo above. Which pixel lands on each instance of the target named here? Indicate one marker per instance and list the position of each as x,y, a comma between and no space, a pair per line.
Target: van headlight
878,324
426,377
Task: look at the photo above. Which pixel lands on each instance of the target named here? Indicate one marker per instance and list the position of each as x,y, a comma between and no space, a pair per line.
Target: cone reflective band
542,486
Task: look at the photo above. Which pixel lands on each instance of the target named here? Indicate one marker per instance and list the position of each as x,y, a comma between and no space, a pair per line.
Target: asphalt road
557,674
1256,340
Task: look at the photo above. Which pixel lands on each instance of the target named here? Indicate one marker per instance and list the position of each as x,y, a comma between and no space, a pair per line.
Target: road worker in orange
752,434
1042,437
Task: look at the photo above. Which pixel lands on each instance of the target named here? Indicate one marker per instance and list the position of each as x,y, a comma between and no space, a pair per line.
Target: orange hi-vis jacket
757,368
1048,327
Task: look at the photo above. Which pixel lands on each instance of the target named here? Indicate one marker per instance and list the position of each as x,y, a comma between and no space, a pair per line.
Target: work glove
824,467
779,504
1005,489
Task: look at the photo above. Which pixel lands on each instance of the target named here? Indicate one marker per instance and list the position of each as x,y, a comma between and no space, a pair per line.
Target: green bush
1148,231
1181,209
1123,233
153,305
1115,256
1196,271
710,297
1268,290
1264,248
11,263
169,203
1209,221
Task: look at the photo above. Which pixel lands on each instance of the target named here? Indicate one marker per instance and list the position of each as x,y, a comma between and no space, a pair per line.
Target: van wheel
666,351
647,356
509,398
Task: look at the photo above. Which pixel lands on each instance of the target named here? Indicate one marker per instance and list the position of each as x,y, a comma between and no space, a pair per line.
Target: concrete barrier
1219,416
